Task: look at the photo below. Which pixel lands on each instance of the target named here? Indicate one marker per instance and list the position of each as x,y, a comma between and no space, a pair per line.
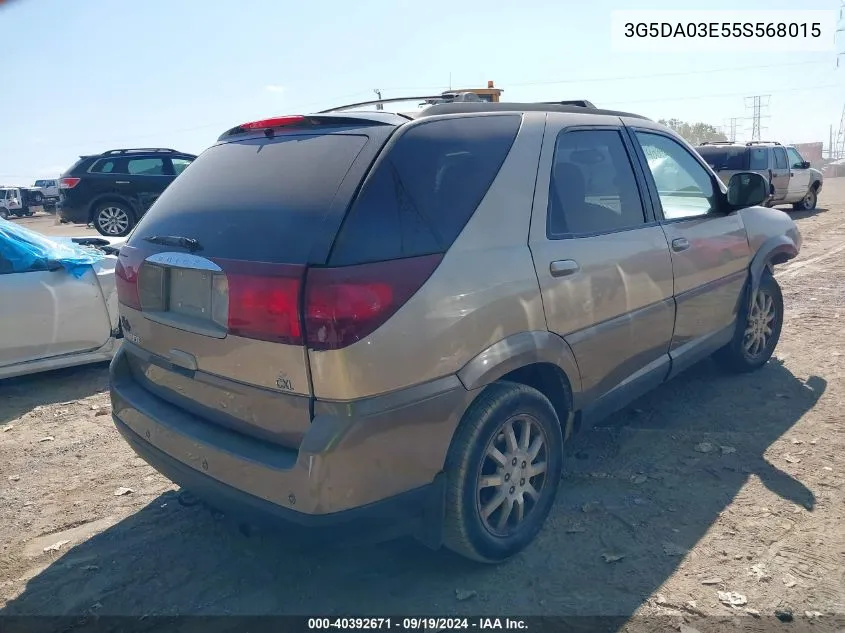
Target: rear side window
425,189
593,188
724,158
104,166
255,199
780,158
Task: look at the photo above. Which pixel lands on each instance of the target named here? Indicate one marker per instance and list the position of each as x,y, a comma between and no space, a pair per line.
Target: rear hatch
211,281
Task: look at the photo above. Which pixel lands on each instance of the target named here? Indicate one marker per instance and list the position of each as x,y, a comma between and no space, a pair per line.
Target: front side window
683,185
592,188
146,167
795,159
179,165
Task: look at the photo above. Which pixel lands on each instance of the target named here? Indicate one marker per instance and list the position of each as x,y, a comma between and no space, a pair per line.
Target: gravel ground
708,491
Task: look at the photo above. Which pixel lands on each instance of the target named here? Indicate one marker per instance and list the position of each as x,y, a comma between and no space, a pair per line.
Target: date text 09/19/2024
417,624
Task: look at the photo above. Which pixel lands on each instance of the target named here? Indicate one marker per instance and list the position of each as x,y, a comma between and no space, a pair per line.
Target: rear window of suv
255,199
726,158
425,189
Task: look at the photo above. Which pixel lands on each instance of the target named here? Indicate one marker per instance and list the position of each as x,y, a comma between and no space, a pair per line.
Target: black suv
114,189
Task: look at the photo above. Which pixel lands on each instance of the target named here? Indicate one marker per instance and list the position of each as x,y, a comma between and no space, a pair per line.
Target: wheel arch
774,251
540,359
110,197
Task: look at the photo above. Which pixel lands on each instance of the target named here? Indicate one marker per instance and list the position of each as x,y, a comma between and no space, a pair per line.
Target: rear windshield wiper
188,243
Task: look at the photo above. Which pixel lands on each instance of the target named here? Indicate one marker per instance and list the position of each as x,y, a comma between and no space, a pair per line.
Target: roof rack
484,106
139,150
749,143
581,103
719,143
448,97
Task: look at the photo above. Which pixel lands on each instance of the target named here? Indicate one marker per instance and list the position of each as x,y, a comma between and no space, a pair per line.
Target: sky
88,76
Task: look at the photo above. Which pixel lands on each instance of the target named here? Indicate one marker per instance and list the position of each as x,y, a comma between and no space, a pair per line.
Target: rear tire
113,219
758,329
4,213
502,472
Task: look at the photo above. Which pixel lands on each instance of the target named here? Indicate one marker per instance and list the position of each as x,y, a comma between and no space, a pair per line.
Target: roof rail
581,103
160,150
446,97
484,106
749,143
718,143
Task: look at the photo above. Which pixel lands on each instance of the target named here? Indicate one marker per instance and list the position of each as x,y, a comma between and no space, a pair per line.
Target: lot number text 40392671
428,623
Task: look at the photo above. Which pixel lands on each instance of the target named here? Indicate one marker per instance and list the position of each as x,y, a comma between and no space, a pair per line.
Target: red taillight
126,276
344,305
278,121
68,183
264,300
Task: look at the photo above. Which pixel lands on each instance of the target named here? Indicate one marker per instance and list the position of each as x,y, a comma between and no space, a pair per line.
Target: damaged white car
58,302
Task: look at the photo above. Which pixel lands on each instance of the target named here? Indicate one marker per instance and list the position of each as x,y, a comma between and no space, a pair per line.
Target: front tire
114,219
503,471
758,329
808,202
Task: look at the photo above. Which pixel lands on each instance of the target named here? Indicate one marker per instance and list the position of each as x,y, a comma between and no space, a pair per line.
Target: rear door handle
563,267
680,244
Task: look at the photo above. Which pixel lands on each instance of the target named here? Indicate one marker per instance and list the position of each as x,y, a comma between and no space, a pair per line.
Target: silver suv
399,321
791,178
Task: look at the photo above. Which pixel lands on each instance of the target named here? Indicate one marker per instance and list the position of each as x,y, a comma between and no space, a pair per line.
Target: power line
712,95
670,74
341,98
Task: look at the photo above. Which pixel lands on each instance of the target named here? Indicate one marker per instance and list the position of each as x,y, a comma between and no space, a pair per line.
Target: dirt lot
710,484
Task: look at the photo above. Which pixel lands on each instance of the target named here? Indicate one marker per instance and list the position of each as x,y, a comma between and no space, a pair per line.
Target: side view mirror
805,165
747,189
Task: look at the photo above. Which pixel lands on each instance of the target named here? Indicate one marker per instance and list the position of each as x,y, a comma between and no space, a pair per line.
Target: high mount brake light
266,124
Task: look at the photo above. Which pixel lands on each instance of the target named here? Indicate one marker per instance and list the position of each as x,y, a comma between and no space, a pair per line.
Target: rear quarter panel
484,290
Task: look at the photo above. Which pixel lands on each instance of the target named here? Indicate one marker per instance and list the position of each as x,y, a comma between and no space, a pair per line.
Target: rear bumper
415,511
373,463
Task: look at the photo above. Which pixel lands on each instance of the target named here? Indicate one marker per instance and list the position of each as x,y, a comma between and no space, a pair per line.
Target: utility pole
379,106
839,150
830,144
840,32
757,104
732,128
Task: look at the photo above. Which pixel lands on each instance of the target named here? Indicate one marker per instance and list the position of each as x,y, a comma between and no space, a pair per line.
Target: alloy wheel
113,220
760,326
511,478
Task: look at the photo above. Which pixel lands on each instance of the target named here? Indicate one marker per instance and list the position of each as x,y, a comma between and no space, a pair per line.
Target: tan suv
791,178
369,319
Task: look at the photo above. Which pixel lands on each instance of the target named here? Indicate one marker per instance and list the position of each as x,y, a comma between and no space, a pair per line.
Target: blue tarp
26,250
